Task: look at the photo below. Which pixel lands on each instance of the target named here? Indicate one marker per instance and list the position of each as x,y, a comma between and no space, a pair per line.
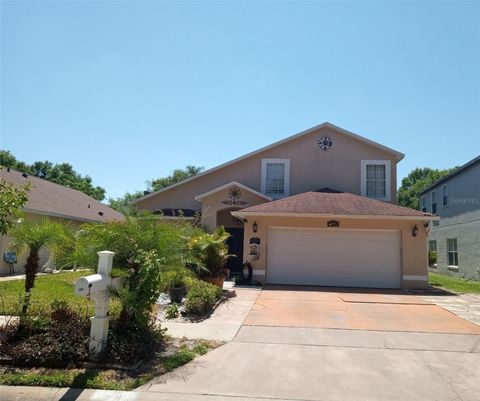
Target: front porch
217,207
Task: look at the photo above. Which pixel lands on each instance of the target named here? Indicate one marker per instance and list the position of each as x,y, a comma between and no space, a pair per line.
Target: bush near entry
201,298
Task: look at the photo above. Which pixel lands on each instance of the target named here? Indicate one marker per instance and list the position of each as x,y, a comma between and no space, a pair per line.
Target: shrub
171,311
54,342
139,292
130,344
201,298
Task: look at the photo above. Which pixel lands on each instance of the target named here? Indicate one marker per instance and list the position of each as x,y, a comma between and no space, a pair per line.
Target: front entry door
235,247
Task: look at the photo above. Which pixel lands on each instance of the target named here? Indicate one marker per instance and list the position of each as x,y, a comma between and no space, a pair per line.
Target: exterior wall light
427,227
255,227
414,231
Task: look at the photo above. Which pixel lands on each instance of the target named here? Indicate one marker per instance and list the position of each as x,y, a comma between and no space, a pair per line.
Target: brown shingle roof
52,199
330,202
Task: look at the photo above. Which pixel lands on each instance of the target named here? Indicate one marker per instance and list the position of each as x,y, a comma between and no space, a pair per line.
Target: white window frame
430,242
363,178
433,196
286,163
423,204
444,195
452,251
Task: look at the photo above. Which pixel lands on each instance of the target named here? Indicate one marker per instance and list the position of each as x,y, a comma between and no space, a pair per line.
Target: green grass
454,284
76,378
179,358
58,286
108,379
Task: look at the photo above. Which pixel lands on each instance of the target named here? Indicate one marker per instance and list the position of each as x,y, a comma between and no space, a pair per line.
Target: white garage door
334,257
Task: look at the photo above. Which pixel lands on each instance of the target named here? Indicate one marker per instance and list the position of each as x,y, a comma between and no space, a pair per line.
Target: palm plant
31,236
210,252
145,248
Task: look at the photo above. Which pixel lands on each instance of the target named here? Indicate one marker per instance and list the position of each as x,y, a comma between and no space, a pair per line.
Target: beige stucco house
48,199
317,208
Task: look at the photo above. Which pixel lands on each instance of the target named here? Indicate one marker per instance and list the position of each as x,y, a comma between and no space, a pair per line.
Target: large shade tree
416,182
62,173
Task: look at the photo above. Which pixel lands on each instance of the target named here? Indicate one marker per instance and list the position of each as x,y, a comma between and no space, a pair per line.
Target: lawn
454,284
47,289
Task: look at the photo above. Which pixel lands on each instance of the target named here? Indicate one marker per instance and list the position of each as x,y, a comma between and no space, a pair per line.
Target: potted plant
209,253
173,281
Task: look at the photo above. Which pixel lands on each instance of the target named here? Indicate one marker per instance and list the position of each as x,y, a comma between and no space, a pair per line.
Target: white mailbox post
94,287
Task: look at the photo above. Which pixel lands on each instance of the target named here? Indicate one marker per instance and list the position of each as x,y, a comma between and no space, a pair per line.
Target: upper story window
424,204
276,177
444,195
434,202
375,179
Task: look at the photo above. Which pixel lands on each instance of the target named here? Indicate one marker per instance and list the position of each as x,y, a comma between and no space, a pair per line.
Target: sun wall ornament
234,193
325,143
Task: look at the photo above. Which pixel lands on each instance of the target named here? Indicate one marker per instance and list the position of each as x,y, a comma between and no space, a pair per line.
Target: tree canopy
12,200
416,182
122,204
176,176
62,173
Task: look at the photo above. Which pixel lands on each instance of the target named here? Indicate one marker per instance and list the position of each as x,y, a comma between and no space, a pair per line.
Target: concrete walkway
276,356
224,323
467,306
17,277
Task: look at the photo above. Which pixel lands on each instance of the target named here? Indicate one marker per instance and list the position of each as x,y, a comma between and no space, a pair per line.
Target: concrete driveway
326,344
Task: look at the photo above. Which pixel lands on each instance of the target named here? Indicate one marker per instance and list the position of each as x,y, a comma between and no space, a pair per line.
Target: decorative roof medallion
325,143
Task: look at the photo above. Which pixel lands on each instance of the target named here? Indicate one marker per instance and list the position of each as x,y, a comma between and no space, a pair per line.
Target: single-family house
454,240
317,208
54,201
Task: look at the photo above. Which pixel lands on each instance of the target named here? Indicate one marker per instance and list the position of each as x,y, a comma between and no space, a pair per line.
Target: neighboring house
317,208
456,237
56,202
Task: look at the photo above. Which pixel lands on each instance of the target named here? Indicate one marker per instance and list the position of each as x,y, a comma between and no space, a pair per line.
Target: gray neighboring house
456,236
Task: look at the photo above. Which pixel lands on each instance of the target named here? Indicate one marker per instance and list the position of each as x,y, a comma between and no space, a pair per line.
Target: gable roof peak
398,155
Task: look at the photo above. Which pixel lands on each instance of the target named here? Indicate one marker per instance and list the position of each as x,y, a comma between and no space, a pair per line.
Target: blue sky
128,91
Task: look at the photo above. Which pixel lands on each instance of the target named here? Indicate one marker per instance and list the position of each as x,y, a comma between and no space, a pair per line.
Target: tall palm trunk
31,268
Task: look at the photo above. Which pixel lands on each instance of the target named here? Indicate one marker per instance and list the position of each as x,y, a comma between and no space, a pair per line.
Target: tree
416,182
123,204
31,236
176,176
62,174
12,200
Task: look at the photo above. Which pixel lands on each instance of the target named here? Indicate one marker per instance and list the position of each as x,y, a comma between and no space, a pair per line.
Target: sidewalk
18,277
8,393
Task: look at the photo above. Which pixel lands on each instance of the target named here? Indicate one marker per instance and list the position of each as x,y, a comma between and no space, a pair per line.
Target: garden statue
95,287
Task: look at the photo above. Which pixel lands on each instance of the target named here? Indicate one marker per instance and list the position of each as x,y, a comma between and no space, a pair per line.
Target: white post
99,329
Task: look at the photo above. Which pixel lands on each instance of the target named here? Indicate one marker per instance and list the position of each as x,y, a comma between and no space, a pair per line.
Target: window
375,179
445,195
424,204
432,253
452,252
275,177
434,202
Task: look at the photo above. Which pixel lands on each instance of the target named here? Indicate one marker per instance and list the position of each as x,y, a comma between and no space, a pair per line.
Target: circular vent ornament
325,143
